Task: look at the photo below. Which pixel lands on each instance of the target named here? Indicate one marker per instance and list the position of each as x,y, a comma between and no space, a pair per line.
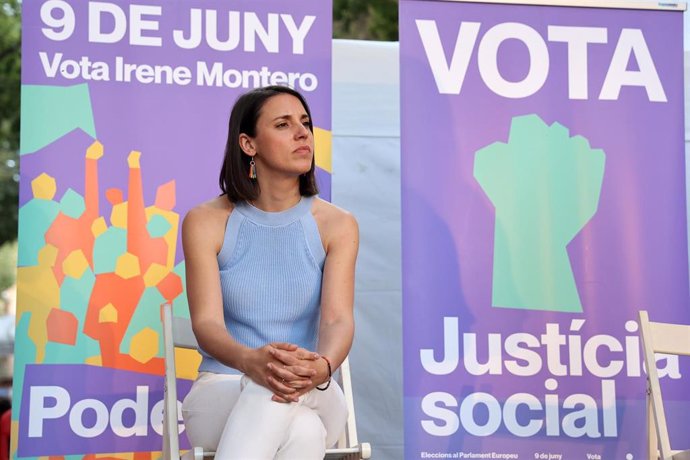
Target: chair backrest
171,446
177,333
673,339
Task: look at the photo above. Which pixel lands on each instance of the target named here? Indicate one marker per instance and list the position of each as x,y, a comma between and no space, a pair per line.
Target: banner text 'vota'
140,25
630,48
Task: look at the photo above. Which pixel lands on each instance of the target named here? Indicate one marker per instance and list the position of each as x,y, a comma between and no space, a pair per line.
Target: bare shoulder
206,221
335,223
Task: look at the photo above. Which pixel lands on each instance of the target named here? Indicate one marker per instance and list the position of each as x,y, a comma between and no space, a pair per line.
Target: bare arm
336,328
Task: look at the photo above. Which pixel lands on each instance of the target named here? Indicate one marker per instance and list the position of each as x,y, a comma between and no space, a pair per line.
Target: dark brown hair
234,178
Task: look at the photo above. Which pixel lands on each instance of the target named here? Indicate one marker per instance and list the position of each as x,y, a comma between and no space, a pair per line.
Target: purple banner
543,205
125,111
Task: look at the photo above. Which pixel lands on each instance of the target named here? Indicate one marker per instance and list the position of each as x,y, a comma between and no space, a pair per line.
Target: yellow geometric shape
127,266
44,187
98,227
133,159
187,363
144,345
94,360
118,456
47,255
38,293
95,151
323,141
75,264
14,437
154,274
118,216
108,314
170,238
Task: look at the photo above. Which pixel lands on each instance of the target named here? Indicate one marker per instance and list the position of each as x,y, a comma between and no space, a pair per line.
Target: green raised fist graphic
545,187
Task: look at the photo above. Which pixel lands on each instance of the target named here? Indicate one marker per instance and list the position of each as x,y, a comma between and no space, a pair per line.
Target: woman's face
283,142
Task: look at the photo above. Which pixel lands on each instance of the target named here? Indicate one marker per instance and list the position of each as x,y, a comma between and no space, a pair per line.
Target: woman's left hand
298,369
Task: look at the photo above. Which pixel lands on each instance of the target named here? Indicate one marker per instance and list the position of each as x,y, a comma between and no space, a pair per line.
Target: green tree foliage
10,81
8,265
366,19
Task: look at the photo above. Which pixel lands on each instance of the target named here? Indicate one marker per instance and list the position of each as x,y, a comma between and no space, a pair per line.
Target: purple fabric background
631,255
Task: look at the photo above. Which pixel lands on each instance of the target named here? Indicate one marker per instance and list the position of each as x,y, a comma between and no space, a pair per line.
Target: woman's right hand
263,367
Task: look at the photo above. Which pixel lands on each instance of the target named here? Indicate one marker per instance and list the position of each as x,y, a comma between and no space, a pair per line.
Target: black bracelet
328,382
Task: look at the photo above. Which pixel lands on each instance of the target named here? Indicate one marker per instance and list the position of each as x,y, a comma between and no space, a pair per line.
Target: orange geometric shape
155,274
108,314
165,196
99,227
44,187
114,196
69,234
127,266
144,345
124,295
62,326
170,287
133,159
118,216
47,255
95,151
75,264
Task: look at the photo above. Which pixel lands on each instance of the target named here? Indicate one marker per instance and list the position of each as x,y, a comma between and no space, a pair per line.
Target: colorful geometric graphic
90,286
111,262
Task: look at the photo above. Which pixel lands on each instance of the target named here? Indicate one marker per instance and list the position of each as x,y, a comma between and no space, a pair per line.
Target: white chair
672,339
177,332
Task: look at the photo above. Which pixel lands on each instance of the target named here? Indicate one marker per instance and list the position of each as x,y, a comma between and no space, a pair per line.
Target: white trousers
236,417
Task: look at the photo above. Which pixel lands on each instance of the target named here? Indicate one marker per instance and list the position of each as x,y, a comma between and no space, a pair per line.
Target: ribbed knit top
271,265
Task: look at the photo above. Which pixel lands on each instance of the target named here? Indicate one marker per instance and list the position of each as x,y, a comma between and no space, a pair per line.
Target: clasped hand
286,369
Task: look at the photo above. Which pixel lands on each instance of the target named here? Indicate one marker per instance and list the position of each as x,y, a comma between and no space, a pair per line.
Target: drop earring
252,169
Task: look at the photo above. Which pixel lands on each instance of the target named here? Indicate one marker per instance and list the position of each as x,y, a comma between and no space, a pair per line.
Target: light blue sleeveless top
271,265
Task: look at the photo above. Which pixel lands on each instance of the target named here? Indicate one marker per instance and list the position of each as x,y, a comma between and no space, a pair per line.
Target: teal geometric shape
180,305
24,353
50,112
109,245
35,218
158,226
60,353
146,315
74,298
545,187
75,294
72,204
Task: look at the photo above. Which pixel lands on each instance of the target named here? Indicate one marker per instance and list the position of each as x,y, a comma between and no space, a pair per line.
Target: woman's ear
247,145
